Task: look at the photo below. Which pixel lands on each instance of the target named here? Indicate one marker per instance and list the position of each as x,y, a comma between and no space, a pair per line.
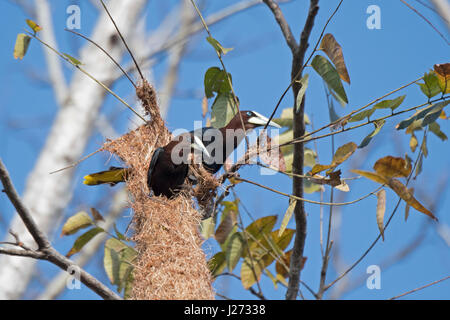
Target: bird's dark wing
153,162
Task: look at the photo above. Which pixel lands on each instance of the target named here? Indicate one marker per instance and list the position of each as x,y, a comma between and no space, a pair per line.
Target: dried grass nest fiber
171,263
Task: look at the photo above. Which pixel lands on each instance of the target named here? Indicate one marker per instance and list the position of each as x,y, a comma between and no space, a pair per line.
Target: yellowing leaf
262,226
33,25
343,153
391,167
334,51
304,85
76,222
443,74
413,143
249,269
204,106
287,216
207,227
381,208
117,260
319,168
401,190
411,192
371,175
21,46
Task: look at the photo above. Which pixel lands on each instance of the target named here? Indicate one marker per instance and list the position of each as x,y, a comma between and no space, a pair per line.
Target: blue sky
378,62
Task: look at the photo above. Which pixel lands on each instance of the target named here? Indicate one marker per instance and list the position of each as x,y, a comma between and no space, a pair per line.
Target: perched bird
169,165
221,142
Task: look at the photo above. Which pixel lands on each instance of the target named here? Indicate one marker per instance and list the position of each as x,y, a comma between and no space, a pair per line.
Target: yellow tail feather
112,176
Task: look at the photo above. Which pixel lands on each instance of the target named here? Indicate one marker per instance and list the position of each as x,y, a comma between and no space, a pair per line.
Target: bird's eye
249,113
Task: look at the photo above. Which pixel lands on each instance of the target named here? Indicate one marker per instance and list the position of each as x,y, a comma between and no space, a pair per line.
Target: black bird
169,165
229,137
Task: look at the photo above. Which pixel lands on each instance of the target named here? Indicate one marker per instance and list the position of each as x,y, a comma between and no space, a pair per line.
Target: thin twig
420,288
426,20
308,200
105,52
123,40
88,74
385,227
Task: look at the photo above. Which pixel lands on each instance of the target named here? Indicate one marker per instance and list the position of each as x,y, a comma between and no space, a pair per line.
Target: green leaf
429,114
393,104
76,222
72,60
430,87
301,93
119,235
361,115
216,81
217,263
83,240
223,110
330,75
378,125
309,158
217,46
436,129
234,250
287,216
117,260
21,45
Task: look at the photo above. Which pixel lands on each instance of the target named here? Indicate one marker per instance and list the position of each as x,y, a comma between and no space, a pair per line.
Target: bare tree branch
45,251
284,26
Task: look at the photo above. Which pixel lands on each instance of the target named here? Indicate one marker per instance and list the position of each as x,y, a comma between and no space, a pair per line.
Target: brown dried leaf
391,167
401,190
334,51
443,74
411,192
204,106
